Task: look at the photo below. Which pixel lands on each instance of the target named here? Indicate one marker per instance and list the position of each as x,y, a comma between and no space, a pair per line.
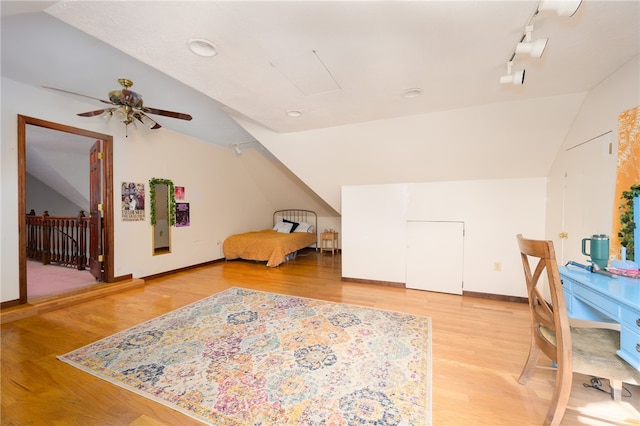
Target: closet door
587,197
435,256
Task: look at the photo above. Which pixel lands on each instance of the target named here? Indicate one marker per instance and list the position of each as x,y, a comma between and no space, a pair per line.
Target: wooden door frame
107,196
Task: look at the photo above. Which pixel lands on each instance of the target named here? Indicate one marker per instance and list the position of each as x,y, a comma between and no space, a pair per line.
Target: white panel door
587,205
435,256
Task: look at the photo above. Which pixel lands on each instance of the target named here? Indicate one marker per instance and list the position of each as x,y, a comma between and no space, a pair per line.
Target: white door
435,256
587,209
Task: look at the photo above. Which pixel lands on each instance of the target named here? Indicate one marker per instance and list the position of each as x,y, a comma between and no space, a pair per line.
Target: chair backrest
549,321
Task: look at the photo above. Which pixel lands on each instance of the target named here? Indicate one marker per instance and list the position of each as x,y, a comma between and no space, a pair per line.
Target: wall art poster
132,202
179,192
628,170
182,214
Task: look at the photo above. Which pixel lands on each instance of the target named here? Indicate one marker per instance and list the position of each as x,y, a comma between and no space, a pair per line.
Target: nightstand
326,237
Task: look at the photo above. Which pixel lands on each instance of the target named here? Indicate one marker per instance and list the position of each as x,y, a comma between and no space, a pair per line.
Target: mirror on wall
162,214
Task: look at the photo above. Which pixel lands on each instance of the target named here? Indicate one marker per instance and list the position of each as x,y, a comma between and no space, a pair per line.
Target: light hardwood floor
479,347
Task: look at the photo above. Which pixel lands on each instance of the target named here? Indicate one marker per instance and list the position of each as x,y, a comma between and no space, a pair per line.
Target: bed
293,229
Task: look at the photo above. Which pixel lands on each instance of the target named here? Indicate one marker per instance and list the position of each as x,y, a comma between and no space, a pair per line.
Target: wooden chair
589,351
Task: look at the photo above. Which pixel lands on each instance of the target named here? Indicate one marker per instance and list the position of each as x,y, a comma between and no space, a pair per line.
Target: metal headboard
296,215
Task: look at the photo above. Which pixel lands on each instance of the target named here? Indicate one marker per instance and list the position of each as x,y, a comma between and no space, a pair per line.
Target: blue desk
598,298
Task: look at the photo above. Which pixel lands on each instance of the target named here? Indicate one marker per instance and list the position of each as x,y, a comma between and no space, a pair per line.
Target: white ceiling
338,62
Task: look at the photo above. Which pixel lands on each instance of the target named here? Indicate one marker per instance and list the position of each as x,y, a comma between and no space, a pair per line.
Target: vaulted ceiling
336,62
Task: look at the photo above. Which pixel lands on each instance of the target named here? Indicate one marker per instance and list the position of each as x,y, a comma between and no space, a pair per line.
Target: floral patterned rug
245,357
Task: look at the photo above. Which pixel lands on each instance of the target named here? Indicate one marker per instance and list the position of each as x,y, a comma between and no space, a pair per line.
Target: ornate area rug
244,357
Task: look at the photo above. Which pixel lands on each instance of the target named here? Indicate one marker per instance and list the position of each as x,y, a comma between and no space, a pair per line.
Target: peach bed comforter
267,245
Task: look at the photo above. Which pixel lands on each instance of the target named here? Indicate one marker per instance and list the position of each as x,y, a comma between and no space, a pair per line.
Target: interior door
583,197
95,206
435,256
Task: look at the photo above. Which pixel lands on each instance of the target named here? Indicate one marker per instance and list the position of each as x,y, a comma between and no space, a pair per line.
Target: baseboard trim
479,295
375,282
501,297
186,268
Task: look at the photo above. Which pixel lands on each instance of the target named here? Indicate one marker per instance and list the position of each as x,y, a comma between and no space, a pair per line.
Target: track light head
535,49
515,78
561,7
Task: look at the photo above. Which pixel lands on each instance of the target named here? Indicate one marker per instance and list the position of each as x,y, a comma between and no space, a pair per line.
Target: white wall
589,163
373,231
223,195
41,197
493,211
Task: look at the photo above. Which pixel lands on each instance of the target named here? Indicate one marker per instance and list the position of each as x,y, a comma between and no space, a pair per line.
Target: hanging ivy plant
627,224
172,199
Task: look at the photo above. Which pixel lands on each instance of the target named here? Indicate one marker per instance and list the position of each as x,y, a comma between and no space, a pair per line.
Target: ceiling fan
129,104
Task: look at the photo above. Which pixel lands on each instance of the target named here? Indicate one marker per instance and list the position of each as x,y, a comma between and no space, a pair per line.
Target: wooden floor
479,347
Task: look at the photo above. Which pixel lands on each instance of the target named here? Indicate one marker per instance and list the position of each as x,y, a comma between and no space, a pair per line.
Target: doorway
101,204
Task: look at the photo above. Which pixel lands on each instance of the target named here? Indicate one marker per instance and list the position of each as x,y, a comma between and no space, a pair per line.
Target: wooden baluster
68,242
62,241
82,241
56,230
53,235
73,241
38,236
31,238
46,239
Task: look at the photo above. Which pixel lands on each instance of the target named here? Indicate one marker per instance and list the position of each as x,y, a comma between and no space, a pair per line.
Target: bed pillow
305,227
295,224
284,227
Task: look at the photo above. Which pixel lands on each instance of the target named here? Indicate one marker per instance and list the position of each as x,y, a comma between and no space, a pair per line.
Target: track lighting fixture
237,146
561,7
535,49
516,78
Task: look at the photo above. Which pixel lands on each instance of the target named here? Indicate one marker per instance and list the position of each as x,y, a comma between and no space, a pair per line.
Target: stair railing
62,240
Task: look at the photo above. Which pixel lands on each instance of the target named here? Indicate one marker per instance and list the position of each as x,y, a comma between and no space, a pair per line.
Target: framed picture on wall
132,201
179,192
182,214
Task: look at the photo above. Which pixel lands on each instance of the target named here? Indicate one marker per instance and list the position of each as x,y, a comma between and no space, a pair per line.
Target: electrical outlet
497,266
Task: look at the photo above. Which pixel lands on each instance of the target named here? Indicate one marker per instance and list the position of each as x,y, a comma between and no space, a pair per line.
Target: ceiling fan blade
96,112
166,113
79,94
146,120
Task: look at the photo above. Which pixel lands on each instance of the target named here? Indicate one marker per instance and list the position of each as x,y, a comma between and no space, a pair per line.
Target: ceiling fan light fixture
294,113
202,47
412,93
561,7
